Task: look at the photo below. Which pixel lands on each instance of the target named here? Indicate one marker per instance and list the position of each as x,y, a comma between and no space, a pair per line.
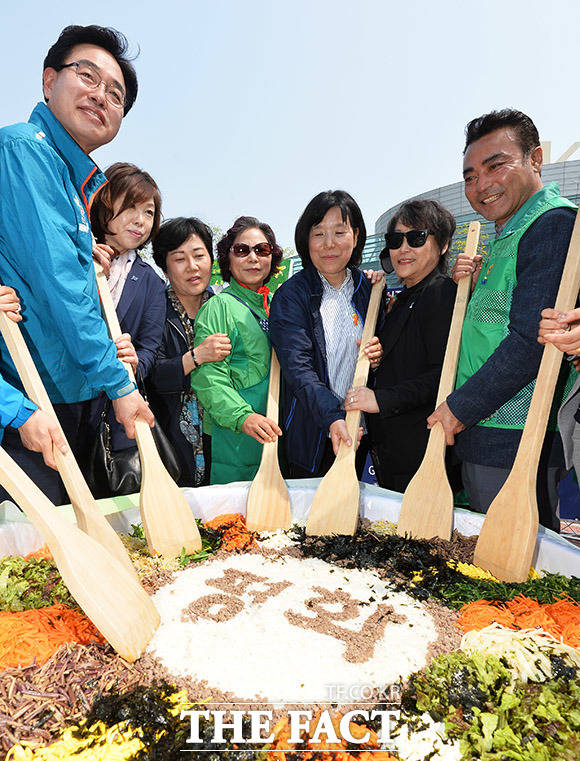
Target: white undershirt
120,268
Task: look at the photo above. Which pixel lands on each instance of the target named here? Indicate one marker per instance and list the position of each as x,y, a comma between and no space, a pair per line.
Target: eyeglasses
242,249
91,79
415,238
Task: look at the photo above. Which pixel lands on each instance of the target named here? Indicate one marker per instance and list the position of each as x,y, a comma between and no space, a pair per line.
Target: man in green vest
500,355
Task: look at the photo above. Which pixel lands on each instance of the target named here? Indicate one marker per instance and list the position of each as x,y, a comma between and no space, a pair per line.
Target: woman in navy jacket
316,322
183,250
125,217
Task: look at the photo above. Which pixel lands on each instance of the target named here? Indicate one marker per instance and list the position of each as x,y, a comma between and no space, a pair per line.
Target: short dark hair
134,186
523,127
423,214
173,233
314,213
240,225
104,37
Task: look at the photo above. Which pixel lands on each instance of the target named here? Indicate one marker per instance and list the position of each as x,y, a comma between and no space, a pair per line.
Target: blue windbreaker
15,408
46,186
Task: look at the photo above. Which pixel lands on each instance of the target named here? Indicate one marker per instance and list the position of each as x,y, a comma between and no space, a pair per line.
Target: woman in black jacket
414,338
183,250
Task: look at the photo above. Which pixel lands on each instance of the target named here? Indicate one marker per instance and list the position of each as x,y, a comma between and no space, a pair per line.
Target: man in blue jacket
47,183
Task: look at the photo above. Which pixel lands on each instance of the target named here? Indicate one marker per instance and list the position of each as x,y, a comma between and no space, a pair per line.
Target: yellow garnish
116,743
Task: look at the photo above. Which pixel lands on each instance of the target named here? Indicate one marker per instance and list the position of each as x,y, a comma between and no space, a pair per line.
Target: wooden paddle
167,519
335,506
427,508
508,536
268,506
117,605
89,518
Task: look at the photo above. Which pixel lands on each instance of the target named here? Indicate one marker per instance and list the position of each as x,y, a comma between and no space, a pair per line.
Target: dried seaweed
150,711
419,568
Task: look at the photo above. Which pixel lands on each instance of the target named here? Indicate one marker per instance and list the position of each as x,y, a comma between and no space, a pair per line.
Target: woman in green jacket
234,392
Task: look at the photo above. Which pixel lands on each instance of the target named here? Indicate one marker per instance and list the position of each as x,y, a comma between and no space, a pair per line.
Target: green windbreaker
232,389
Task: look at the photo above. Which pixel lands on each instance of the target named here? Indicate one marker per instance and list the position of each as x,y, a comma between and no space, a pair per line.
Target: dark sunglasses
415,238
242,249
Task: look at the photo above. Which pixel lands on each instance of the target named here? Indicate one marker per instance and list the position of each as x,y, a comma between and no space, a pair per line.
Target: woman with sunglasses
233,392
316,325
414,337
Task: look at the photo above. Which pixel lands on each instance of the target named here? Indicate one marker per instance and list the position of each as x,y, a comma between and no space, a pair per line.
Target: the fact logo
259,724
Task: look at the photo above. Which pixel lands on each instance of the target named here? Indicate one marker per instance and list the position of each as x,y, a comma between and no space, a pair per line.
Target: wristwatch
195,362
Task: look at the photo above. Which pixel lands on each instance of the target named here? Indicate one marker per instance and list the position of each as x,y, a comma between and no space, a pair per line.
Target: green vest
487,318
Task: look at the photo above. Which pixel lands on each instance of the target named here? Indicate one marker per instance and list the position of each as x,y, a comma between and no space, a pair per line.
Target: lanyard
262,321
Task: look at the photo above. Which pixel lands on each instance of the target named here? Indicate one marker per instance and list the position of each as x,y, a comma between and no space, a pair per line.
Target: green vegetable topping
33,583
493,720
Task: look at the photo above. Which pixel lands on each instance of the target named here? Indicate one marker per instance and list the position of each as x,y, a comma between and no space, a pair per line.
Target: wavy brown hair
134,186
241,224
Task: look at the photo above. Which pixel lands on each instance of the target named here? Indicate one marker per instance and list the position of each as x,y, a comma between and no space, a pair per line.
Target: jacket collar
529,208
86,175
173,318
414,290
253,298
396,321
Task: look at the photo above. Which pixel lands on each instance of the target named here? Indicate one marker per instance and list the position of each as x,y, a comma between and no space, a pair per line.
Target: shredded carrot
38,633
560,618
235,534
43,553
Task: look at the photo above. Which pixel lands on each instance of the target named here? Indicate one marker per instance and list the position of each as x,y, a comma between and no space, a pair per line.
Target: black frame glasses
415,238
90,77
242,250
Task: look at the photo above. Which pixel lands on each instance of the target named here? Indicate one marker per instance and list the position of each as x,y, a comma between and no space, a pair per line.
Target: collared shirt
499,228
342,328
120,268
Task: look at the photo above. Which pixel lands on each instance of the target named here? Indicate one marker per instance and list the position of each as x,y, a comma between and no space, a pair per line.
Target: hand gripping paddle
168,522
268,506
508,536
427,508
335,507
89,517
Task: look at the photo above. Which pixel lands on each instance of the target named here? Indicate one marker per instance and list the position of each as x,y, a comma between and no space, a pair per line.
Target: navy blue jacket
309,406
141,312
165,385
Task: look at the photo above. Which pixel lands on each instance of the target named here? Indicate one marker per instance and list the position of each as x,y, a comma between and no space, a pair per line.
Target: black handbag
113,473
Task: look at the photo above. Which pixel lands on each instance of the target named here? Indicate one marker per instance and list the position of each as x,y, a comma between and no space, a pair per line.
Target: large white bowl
552,553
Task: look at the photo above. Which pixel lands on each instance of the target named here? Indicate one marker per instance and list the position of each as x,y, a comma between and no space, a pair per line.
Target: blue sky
253,107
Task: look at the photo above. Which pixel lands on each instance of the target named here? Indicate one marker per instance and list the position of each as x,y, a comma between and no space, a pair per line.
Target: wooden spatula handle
361,372
273,404
110,311
89,517
534,430
449,369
